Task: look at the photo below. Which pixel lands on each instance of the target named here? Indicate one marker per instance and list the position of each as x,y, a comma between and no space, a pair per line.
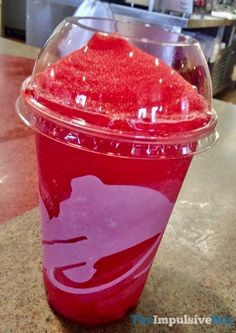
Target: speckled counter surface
193,273
18,180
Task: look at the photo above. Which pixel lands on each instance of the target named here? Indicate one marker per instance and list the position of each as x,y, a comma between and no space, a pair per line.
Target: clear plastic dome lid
121,80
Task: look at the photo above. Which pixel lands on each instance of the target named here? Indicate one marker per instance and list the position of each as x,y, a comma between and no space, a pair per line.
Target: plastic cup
106,195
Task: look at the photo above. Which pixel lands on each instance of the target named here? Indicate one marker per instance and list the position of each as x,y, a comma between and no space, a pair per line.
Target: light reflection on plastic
71,137
79,121
153,113
52,73
185,105
81,99
131,54
185,150
142,113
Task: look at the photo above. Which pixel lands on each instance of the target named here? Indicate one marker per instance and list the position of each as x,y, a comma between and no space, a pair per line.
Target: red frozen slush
105,203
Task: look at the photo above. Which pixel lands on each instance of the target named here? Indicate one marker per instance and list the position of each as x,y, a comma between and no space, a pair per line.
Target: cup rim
163,148
187,40
182,137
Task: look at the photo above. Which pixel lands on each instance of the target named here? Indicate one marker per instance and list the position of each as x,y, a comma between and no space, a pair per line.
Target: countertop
194,271
18,181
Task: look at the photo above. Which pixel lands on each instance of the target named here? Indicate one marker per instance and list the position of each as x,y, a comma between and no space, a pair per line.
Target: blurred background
212,22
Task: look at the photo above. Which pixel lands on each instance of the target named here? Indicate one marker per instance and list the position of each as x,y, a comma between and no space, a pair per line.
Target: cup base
87,310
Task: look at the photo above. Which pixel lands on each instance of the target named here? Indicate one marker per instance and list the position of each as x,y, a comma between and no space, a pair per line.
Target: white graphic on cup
99,221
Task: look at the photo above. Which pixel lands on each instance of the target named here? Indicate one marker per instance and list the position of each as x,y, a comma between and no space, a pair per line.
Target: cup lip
81,126
187,40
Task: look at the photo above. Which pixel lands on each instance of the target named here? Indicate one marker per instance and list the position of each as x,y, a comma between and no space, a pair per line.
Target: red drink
108,186
107,219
